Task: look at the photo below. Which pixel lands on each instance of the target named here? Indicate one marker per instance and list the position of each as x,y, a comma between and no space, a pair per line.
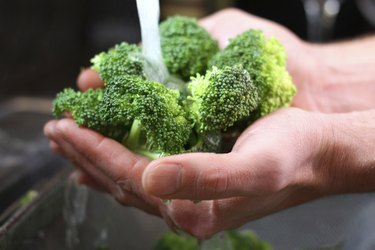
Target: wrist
345,162
341,76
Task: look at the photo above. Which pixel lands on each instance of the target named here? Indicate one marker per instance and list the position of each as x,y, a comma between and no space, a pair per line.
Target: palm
266,172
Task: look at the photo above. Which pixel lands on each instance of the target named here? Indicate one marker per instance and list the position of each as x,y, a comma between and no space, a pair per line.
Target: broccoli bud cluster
218,91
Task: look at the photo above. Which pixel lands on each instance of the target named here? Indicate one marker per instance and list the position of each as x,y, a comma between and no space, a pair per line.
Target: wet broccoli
220,98
233,239
84,108
186,46
122,59
159,123
243,82
265,60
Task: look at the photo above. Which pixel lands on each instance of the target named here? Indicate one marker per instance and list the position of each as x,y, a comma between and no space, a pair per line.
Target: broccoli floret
172,241
159,123
186,46
84,108
265,60
220,98
123,59
144,115
235,239
246,240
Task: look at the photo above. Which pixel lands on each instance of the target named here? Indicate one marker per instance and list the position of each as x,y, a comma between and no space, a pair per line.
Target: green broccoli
220,98
245,81
84,108
123,59
237,240
265,60
159,123
172,241
186,46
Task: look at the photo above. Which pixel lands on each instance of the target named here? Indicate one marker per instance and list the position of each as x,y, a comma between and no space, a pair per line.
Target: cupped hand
275,164
272,167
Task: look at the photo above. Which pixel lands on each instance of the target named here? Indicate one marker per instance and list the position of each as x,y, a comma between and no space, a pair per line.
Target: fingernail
164,179
49,127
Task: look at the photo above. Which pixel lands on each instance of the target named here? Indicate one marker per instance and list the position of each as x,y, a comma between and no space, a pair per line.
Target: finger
121,195
89,78
80,162
83,178
111,158
47,130
197,176
105,157
56,148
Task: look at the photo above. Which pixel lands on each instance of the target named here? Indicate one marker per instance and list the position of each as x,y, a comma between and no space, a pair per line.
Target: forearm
347,156
345,73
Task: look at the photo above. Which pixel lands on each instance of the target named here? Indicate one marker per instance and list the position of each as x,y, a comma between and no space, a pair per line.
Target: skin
287,158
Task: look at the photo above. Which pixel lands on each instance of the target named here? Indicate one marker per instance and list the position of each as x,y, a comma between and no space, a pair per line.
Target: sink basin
101,223
25,158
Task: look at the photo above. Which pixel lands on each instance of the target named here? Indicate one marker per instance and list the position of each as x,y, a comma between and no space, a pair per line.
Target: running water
149,14
74,212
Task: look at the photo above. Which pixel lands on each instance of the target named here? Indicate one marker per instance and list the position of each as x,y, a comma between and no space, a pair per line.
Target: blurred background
43,46
45,43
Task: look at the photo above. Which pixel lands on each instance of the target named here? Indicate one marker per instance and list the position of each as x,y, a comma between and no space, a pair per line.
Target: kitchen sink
25,158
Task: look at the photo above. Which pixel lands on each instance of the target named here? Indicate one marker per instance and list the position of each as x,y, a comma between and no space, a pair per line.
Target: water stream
74,211
149,14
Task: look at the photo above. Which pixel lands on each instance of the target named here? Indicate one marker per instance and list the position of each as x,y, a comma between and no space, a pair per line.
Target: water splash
149,14
76,198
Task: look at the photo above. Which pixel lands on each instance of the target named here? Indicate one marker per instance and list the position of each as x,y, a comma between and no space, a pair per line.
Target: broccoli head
220,98
84,107
265,60
186,46
123,59
233,239
159,123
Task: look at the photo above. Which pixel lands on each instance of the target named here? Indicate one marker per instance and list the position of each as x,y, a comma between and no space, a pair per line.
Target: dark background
45,43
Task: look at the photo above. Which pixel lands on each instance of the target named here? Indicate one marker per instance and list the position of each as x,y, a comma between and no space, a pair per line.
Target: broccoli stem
132,141
198,144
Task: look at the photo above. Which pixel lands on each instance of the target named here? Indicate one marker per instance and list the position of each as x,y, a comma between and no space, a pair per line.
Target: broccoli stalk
133,142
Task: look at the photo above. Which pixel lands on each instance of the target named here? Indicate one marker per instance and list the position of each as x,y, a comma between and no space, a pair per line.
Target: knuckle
231,11
120,195
213,181
273,171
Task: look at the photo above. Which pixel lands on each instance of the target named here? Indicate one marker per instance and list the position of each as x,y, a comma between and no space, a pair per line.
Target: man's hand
337,77
284,159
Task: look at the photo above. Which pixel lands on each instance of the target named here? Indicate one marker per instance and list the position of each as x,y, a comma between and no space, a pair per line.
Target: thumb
197,176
